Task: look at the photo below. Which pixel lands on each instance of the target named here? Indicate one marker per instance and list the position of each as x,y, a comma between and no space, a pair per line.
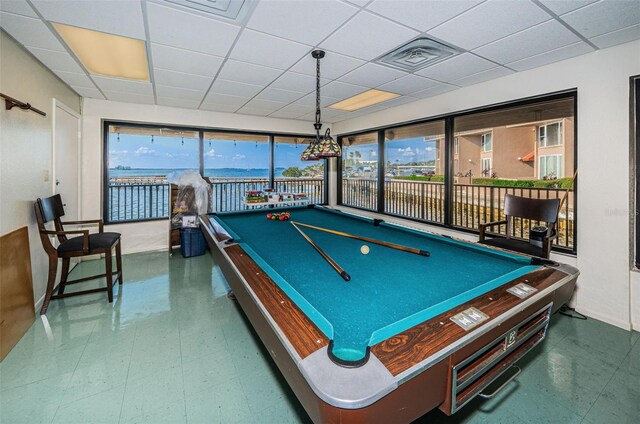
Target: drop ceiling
259,62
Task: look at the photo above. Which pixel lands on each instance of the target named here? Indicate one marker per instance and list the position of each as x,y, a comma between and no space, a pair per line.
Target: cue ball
364,249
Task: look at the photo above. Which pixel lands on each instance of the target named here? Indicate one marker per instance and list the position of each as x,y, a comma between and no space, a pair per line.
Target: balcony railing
472,204
135,199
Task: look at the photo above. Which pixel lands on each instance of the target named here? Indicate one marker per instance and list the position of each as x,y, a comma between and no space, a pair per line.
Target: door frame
55,105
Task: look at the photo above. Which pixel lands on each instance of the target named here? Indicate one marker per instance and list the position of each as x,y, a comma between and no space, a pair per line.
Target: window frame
558,156
483,142
106,123
568,94
546,132
485,169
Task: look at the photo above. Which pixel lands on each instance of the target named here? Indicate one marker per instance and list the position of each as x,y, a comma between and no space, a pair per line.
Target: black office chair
51,209
541,238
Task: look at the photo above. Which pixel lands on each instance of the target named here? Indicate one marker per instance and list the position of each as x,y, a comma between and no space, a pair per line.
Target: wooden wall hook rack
10,103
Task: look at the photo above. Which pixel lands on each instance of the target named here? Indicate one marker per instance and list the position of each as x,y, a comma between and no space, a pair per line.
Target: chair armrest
483,227
87,222
85,236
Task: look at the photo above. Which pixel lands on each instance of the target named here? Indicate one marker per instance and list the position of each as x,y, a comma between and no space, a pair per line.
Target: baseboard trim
625,325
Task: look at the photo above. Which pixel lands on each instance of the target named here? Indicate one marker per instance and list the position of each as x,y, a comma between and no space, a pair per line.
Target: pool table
407,333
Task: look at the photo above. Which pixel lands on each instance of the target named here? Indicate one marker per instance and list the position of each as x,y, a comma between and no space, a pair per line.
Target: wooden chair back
47,210
545,210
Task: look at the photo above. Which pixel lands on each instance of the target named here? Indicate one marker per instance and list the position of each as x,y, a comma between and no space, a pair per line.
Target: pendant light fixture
325,146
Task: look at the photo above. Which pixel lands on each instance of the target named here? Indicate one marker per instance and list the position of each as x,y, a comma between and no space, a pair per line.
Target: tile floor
173,349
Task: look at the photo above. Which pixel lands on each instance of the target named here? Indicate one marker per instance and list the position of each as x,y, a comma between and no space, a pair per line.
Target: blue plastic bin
192,242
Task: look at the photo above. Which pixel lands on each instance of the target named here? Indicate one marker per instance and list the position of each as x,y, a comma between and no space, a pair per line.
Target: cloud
118,152
374,153
177,155
144,151
239,157
210,154
407,152
408,149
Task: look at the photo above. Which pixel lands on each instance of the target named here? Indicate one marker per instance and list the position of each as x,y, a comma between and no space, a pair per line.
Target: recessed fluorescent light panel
417,54
368,98
107,54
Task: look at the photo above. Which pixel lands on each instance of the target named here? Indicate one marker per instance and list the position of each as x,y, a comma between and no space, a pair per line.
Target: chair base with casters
84,244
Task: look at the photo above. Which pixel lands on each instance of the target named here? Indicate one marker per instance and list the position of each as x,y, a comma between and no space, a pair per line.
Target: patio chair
83,244
540,210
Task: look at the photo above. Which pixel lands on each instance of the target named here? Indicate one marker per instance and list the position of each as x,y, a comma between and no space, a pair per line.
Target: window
139,159
414,171
486,167
515,165
487,141
550,134
456,146
550,167
360,170
292,174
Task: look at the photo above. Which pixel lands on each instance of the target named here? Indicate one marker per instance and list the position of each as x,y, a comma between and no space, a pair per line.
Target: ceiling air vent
417,54
229,9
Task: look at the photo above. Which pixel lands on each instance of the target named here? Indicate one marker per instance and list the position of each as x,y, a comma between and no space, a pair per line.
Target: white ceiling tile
456,67
19,7
267,50
304,21
219,107
248,73
420,14
434,91
542,38
341,90
408,84
483,76
265,104
300,109
310,100
332,66
175,59
176,28
279,95
111,16
56,60
181,80
253,111
563,6
224,99
123,85
488,22
30,32
604,16
178,93
617,37
75,80
368,36
118,96
92,93
173,102
285,115
372,75
297,82
234,88
360,3
566,52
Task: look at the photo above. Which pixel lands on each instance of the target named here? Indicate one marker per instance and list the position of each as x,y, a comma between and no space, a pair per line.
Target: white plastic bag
193,192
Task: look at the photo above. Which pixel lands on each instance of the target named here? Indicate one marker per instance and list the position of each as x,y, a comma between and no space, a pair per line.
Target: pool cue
326,257
566,193
369,240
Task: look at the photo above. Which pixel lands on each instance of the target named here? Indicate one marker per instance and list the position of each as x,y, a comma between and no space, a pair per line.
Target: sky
138,151
402,151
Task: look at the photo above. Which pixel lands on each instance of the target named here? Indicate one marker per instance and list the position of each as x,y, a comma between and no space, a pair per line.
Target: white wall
137,237
26,146
602,81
